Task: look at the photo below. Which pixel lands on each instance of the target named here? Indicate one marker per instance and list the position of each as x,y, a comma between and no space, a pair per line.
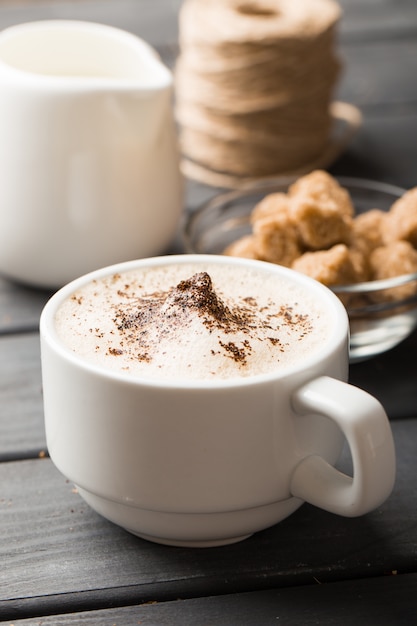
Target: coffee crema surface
193,322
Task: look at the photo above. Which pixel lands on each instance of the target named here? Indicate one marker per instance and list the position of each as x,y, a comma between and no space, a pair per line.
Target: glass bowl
378,321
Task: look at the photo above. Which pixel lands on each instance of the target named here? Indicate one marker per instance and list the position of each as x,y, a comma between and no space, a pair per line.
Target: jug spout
105,83
81,52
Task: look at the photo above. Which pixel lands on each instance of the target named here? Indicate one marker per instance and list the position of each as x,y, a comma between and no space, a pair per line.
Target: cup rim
49,336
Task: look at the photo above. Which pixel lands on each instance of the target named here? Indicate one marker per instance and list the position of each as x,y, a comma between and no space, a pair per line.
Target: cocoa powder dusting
142,321
197,293
175,309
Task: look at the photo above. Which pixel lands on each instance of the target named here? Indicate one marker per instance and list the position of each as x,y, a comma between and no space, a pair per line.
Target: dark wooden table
60,563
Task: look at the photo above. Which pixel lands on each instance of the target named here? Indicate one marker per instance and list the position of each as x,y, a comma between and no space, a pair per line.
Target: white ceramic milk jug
89,168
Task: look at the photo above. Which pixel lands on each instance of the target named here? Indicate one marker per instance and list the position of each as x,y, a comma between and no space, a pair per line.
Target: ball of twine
254,85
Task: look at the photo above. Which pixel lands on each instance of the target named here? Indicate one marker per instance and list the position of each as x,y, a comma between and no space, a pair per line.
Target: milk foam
193,322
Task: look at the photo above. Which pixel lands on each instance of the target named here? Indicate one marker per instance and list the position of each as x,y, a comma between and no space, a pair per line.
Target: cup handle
365,425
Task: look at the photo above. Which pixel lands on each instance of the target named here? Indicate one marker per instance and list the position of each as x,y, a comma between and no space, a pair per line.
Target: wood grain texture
20,307
392,378
384,601
365,20
385,149
57,554
378,74
21,409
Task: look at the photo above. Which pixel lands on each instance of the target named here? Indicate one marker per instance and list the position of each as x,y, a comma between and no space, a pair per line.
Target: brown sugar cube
401,221
276,239
368,230
322,188
322,210
270,205
330,267
394,259
320,225
360,262
243,247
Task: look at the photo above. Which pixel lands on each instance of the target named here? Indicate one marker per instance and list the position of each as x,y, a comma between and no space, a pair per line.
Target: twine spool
254,85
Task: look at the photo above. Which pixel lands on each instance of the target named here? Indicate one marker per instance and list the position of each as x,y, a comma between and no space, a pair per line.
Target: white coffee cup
206,463
89,168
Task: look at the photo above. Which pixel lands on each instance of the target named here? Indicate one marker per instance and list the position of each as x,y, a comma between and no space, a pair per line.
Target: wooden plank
391,378
20,306
379,73
378,19
362,18
385,149
382,601
58,556
21,410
